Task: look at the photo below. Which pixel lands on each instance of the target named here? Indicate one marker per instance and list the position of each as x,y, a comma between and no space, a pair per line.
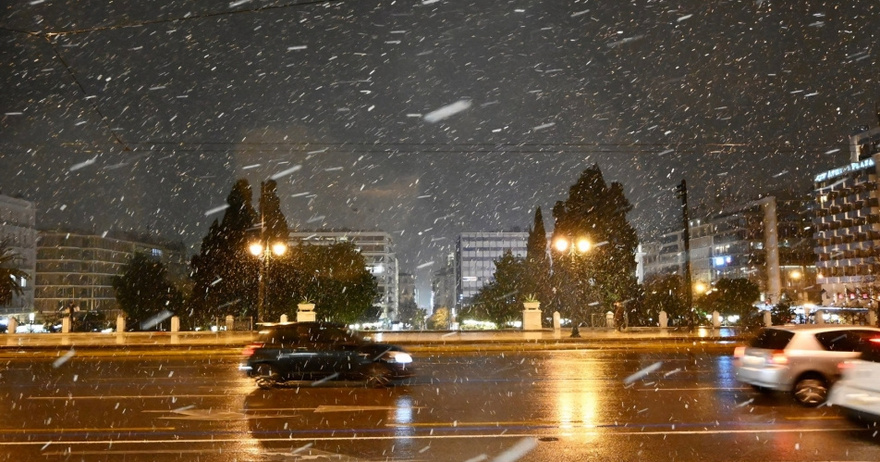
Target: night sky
422,118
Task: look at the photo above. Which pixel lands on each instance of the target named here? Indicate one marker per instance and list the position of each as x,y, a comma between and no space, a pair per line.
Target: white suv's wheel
810,390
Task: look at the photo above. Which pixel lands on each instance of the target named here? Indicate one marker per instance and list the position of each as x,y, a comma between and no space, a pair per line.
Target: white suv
802,359
858,391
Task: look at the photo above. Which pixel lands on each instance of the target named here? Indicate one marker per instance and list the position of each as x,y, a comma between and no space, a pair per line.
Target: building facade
407,288
18,232
78,269
475,255
377,248
847,226
768,241
443,285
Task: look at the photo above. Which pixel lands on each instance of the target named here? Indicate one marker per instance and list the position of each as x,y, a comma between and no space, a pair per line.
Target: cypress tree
603,278
224,273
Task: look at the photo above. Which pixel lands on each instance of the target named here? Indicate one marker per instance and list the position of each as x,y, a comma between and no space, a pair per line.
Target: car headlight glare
398,357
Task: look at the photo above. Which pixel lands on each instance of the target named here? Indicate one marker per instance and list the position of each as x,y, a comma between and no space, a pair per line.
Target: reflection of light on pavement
404,430
576,401
403,413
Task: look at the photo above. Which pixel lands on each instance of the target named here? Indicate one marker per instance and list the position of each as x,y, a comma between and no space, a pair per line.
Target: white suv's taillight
778,357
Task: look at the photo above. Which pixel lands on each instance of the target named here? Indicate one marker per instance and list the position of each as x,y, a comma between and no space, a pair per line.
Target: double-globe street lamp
571,247
264,251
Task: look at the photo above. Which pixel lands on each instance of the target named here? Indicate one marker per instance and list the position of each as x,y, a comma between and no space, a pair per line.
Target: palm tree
9,276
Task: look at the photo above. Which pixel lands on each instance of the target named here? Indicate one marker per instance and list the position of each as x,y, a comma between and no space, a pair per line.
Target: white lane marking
65,398
361,437
694,389
339,408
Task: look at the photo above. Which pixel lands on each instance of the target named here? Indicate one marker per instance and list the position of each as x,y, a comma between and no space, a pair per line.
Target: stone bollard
768,319
716,319
664,320
283,318
12,326
609,320
557,321
230,323
65,325
175,324
120,324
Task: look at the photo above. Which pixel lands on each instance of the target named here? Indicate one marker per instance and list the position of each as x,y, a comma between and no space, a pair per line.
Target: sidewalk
546,338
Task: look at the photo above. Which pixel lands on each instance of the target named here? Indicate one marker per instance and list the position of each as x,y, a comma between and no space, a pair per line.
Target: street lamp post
264,252
571,247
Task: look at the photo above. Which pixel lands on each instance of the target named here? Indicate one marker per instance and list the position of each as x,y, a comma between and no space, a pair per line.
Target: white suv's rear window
772,339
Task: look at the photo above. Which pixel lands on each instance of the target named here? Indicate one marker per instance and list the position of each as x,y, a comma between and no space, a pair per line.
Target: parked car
801,359
858,390
323,351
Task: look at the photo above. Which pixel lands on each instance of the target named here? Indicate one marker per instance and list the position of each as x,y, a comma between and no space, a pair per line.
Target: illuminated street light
263,252
563,244
572,247
560,244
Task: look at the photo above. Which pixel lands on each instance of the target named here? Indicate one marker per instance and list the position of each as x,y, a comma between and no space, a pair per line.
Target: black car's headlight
399,357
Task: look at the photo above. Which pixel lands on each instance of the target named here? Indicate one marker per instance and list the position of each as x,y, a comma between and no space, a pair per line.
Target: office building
443,285
767,241
475,259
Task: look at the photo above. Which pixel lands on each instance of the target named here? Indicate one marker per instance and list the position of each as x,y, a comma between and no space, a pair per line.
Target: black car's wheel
266,376
377,375
810,390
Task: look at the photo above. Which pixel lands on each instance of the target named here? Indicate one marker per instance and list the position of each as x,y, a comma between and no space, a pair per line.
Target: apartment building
847,225
78,268
18,232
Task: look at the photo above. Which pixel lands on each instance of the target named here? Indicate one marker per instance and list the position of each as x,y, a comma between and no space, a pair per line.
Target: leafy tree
781,313
224,273
605,275
226,276
143,290
732,296
9,276
500,301
665,292
335,278
410,313
440,319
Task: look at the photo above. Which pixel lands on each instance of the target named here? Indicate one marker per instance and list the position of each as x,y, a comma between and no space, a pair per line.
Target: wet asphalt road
573,405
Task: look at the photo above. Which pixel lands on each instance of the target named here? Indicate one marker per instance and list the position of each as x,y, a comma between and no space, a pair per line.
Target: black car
322,351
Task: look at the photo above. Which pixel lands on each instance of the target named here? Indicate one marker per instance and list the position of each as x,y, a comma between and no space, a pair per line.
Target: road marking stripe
818,417
69,430
694,389
58,398
362,437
